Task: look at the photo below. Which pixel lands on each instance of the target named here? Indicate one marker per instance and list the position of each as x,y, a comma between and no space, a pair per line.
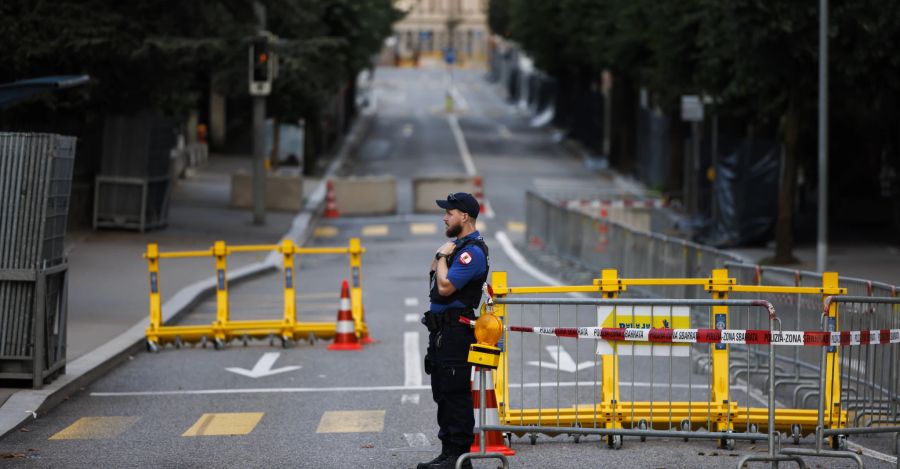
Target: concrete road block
428,189
284,191
375,195
634,217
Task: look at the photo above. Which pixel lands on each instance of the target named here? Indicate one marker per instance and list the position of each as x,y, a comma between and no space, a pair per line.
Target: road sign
644,317
449,55
691,108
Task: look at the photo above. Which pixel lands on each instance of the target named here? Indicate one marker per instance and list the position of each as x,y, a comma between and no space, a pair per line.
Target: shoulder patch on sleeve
465,258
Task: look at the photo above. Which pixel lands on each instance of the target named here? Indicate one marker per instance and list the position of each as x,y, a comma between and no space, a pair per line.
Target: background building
431,26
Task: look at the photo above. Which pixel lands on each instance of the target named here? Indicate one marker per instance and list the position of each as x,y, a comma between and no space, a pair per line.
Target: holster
431,321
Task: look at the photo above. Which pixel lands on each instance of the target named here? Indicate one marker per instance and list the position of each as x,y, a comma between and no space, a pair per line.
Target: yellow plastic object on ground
223,329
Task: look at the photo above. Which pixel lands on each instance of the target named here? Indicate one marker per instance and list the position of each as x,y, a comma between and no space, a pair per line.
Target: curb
25,405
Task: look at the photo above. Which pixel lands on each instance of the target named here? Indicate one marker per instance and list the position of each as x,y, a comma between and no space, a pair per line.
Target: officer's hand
447,248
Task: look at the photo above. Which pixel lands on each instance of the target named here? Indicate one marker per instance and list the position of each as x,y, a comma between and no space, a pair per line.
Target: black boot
434,462
450,462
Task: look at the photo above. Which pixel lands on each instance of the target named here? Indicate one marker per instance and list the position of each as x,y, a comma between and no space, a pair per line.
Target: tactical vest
470,293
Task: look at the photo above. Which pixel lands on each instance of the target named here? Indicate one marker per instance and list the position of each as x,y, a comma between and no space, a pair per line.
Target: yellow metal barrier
224,328
614,413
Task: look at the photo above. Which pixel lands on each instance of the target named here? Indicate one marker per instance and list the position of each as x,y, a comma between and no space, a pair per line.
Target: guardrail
223,329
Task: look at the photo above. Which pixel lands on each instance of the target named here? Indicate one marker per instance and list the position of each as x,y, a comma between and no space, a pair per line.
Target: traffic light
261,66
261,59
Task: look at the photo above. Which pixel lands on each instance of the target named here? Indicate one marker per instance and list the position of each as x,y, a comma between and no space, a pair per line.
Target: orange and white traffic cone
345,332
493,440
479,194
331,209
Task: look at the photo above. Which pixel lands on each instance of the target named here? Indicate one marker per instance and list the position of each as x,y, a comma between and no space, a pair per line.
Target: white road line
412,358
504,132
411,301
459,98
423,387
461,145
409,399
872,453
197,392
411,317
517,258
416,440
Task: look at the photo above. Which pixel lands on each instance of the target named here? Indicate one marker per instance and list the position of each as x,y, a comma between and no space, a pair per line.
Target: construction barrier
688,407
224,329
734,369
864,392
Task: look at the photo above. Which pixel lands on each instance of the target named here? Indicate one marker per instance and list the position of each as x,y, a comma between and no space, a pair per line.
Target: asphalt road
373,407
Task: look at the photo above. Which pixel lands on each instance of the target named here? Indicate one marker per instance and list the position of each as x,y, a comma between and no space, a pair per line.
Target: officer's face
453,221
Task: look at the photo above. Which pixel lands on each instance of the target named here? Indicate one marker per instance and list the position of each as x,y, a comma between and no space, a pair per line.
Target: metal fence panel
35,183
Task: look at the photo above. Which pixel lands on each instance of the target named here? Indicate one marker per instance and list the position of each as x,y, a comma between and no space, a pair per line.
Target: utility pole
822,243
261,71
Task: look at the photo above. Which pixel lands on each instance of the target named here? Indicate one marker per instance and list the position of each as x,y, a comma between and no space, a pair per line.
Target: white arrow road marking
562,360
264,367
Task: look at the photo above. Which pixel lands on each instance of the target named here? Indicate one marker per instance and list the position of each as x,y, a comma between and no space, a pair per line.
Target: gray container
35,183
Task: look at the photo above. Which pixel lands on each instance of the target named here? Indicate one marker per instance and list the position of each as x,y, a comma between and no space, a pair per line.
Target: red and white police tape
722,336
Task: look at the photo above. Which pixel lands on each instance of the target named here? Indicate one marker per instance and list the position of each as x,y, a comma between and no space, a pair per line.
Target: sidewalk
873,261
108,283
108,276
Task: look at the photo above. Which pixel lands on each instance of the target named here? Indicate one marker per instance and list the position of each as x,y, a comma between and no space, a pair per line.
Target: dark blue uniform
448,347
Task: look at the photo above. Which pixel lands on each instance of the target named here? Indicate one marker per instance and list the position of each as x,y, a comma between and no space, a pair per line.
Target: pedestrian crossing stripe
234,423
96,428
375,230
351,421
422,228
325,232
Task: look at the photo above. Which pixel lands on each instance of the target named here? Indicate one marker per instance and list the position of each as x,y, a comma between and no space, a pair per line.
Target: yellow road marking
375,230
480,226
325,232
235,423
351,421
422,228
95,428
515,226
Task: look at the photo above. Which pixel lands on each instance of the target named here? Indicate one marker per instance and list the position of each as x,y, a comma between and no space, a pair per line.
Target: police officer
458,273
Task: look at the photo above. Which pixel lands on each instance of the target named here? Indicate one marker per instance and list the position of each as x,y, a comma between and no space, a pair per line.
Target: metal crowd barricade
561,408
732,367
865,382
223,329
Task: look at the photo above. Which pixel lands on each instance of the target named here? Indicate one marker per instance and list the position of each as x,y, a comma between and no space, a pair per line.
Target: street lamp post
822,243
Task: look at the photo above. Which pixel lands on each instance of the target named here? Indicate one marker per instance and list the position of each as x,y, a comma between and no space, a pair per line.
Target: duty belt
451,316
